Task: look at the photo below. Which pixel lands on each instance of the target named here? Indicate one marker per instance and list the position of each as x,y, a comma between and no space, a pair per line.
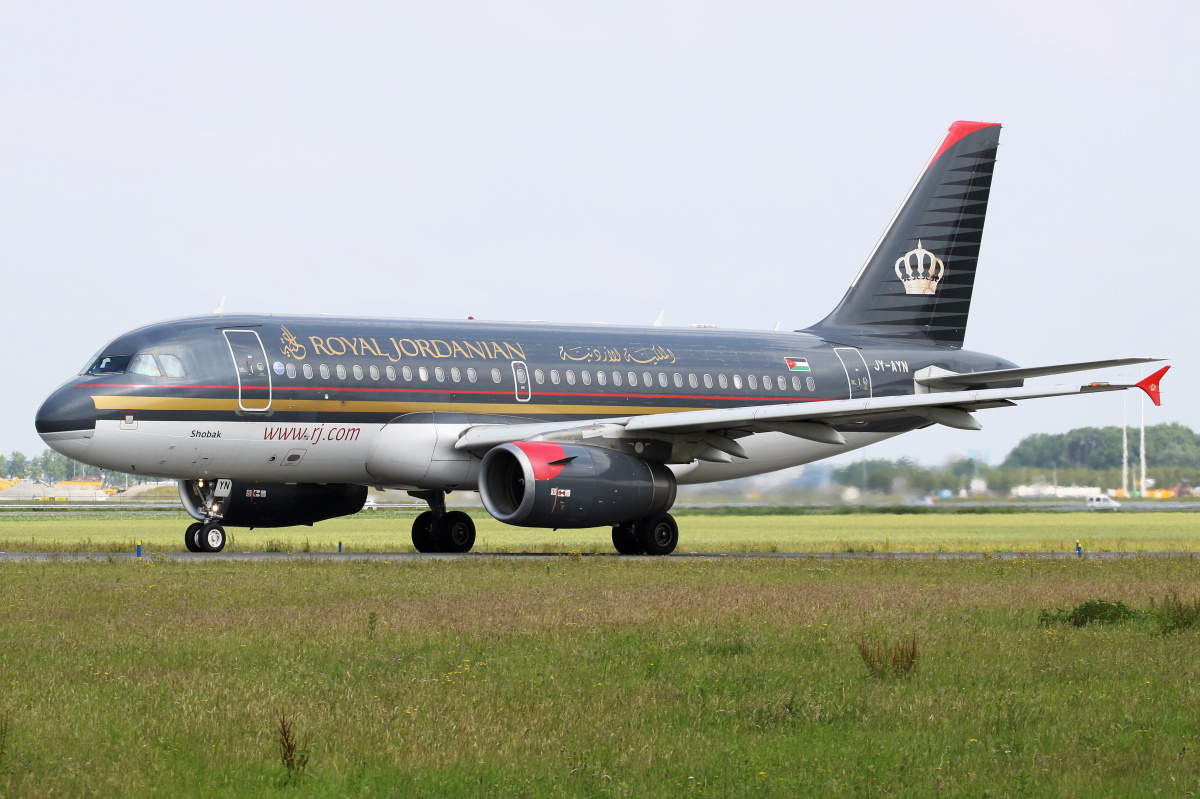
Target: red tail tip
1151,385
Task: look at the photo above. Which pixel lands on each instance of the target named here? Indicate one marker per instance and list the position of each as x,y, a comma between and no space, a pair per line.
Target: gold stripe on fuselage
126,402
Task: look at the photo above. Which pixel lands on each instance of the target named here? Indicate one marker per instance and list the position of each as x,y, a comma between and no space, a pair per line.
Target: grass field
593,677
389,531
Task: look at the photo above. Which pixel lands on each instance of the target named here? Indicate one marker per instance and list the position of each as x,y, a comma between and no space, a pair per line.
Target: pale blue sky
729,163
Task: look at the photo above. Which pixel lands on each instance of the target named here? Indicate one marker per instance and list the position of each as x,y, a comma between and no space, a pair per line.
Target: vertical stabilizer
917,282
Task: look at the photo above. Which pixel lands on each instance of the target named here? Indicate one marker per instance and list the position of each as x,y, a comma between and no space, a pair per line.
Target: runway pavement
413,557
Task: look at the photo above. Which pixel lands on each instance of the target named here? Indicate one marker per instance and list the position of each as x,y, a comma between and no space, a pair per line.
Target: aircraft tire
625,539
422,532
455,532
212,538
658,534
191,538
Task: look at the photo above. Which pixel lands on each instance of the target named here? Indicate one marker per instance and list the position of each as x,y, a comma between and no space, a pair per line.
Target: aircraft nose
66,421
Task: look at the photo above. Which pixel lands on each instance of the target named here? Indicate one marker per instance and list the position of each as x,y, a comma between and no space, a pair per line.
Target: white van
1101,502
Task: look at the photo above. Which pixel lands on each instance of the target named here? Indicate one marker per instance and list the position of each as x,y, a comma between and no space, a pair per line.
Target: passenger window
144,364
539,376
554,378
495,375
324,372
633,378
423,373
358,373
796,384
752,381
456,374
586,377
708,381
173,367
375,373
779,381
737,381
678,380
616,378
601,378
766,382
693,381
391,373
570,378
406,373
341,372
521,377
722,381
647,380
308,372
812,384
662,379
291,370
440,374
472,375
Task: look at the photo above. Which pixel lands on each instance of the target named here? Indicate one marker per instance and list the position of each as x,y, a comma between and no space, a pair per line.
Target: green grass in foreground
602,677
389,531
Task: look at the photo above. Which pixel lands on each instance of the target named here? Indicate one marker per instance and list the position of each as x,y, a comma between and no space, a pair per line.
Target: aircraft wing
814,420
951,380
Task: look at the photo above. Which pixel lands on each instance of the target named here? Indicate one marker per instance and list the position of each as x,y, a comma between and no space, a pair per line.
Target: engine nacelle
544,484
275,504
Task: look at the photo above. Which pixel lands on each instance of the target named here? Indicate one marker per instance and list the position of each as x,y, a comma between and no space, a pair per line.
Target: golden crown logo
922,271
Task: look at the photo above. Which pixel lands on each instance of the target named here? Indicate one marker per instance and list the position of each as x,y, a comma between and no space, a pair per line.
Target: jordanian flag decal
797,364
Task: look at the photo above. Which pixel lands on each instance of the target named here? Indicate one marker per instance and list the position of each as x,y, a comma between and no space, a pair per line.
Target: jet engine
544,484
274,504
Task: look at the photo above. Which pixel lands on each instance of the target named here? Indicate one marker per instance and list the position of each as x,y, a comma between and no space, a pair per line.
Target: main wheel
455,532
422,532
658,534
212,537
625,540
191,539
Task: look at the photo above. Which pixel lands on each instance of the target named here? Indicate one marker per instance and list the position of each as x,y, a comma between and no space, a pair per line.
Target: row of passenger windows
586,377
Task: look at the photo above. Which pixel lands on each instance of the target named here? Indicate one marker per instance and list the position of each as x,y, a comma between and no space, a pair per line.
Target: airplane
272,421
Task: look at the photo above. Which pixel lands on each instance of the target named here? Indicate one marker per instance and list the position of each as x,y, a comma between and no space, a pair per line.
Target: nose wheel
207,499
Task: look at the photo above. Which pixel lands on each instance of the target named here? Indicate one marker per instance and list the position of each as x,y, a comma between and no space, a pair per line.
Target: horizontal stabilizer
952,381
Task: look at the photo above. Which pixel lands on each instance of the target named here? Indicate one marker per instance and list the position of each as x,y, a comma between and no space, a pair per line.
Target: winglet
1151,383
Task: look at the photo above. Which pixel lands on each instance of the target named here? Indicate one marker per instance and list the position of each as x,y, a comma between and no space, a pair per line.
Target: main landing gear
653,535
437,530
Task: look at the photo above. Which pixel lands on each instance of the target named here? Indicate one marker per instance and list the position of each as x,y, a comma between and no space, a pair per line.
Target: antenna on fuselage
658,321
220,309
776,328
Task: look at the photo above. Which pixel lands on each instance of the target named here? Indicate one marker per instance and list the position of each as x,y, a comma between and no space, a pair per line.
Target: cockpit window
171,365
143,364
110,365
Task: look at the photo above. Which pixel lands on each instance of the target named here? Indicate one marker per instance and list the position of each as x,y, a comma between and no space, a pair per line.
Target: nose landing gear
207,497
437,530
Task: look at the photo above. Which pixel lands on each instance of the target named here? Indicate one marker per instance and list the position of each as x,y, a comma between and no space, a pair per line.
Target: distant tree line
1099,448
49,467
1087,456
